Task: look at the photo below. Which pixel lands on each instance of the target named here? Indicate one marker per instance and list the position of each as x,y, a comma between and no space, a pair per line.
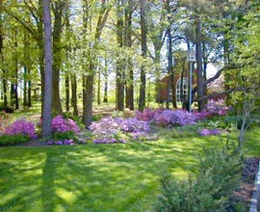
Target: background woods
120,51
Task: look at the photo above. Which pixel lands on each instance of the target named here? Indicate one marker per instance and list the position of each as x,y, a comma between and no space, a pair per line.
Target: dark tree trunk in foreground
47,106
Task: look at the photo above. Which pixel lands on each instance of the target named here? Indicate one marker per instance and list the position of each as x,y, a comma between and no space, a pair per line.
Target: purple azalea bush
109,129
167,118
21,126
64,142
62,125
217,107
206,132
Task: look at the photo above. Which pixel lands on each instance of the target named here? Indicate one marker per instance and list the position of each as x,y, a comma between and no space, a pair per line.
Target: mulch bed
244,193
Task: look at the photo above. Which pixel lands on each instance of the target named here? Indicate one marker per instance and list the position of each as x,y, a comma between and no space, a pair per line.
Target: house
179,91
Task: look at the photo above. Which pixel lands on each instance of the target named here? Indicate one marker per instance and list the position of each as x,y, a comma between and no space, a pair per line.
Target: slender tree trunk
106,86
25,89
4,79
25,68
88,100
74,94
67,91
29,103
15,84
200,79
57,32
142,94
128,42
99,87
120,81
47,107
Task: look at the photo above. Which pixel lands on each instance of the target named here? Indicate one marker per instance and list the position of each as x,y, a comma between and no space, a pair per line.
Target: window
182,89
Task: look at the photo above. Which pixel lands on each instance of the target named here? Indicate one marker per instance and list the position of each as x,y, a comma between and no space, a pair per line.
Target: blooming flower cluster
64,142
206,132
108,129
166,117
62,125
21,126
217,107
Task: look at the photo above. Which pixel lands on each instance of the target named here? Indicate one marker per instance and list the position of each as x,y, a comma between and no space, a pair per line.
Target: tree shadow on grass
117,177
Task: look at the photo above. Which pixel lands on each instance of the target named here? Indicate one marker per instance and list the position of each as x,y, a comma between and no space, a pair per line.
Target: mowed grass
117,177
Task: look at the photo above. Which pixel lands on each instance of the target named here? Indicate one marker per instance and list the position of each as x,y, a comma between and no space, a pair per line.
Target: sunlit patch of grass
118,177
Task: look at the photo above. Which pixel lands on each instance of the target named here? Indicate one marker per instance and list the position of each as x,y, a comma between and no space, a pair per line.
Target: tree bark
47,106
120,81
88,100
4,81
67,91
74,94
57,32
128,43
200,78
142,94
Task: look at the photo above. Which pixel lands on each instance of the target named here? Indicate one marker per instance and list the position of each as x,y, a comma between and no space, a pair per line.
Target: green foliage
218,175
9,140
179,132
63,135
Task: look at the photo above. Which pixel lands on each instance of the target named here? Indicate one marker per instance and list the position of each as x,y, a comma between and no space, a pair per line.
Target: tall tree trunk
106,85
120,81
142,94
67,91
26,63
88,100
29,103
25,88
14,85
4,80
128,42
99,87
74,94
57,32
47,107
200,78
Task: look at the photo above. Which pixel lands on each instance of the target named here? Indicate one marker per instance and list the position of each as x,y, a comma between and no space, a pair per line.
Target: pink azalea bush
206,132
217,107
21,126
62,125
109,129
168,118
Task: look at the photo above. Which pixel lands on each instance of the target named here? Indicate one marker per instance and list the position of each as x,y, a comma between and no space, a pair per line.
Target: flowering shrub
62,125
205,132
22,127
147,114
63,142
110,130
217,107
107,141
165,117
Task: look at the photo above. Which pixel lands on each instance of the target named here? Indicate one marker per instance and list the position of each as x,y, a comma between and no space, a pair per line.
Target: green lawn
117,177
